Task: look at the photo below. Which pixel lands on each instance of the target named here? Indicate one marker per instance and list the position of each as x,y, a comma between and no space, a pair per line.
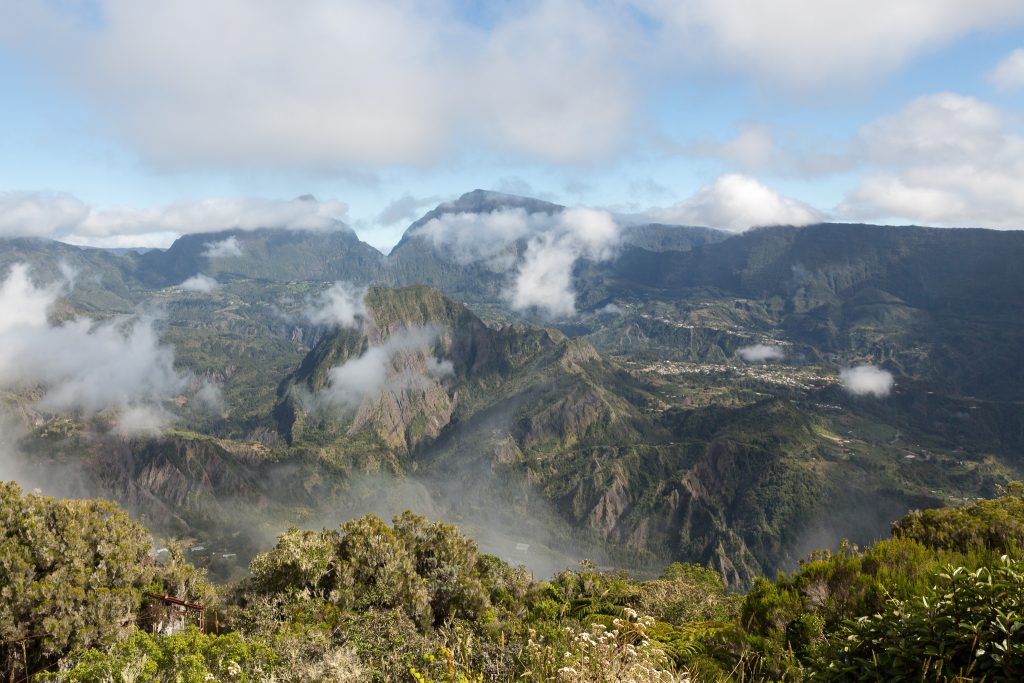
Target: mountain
943,305
418,259
267,254
633,432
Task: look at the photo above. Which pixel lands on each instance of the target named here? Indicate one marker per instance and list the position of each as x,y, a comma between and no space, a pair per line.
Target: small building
167,615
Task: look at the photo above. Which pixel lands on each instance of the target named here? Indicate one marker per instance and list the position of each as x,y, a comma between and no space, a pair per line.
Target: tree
73,574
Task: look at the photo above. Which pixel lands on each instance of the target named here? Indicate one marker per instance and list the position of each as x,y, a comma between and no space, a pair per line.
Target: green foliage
72,575
996,524
969,624
429,570
186,657
416,601
303,561
448,562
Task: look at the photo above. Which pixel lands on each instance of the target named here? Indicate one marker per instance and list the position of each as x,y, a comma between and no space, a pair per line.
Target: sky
130,122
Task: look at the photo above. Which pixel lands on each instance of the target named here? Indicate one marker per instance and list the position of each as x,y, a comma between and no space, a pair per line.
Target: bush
969,624
73,574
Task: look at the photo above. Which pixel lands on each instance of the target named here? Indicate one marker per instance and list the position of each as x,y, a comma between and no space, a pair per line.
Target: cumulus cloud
736,202
81,365
813,44
225,248
63,217
340,305
1009,72
366,82
204,284
866,380
944,159
544,279
760,353
365,376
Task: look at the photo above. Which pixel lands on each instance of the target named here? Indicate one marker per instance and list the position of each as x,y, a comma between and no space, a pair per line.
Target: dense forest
86,597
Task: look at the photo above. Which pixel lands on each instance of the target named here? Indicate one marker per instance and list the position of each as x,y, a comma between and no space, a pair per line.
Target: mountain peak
482,201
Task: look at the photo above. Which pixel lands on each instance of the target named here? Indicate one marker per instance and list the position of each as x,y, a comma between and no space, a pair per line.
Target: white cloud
439,368
80,365
39,214
759,353
553,244
938,128
544,279
203,284
365,376
340,305
736,202
944,159
1009,72
486,237
225,248
804,44
866,380
63,217
320,85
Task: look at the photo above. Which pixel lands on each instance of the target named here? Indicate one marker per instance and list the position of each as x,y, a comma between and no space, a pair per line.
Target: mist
340,305
225,248
202,284
379,368
82,365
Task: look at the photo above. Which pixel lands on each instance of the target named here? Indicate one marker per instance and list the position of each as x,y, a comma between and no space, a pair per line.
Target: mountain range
636,430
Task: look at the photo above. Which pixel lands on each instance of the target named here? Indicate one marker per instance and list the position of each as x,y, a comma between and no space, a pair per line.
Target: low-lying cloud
203,284
340,305
760,353
225,248
365,376
553,244
867,380
66,218
80,364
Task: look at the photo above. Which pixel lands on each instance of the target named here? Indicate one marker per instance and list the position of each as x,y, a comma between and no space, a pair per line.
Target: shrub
969,624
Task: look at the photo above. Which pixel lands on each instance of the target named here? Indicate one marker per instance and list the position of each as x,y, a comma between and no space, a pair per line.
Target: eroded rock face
172,479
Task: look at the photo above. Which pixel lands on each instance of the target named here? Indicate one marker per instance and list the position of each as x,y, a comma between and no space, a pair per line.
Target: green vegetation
416,601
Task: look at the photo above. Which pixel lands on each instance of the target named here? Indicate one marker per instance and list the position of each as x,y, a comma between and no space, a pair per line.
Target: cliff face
439,365
181,482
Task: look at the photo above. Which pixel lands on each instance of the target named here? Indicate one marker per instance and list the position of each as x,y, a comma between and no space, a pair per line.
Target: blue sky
125,121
